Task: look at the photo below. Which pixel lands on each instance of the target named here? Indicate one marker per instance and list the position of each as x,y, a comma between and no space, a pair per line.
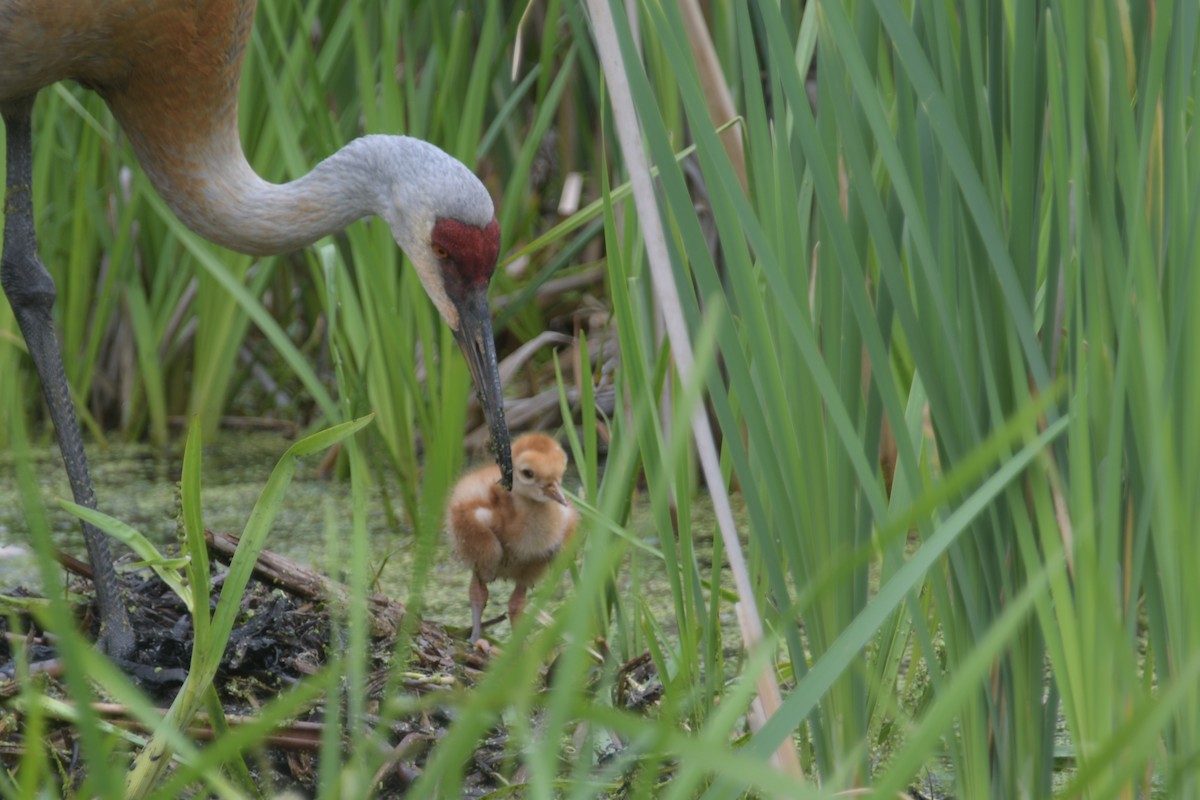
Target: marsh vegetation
936,265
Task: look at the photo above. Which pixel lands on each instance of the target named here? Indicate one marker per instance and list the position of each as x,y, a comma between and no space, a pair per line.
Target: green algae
138,484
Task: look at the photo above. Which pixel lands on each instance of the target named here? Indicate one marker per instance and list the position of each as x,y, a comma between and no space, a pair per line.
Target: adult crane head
439,212
442,217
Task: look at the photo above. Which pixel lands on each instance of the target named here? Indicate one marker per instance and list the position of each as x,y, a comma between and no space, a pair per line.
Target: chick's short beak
554,492
474,336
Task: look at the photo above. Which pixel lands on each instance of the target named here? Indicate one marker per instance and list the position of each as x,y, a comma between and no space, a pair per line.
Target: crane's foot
117,639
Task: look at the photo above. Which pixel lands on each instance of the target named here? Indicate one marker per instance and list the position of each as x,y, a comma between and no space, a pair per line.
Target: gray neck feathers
408,182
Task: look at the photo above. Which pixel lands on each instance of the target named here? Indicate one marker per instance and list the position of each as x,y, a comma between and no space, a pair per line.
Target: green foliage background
993,207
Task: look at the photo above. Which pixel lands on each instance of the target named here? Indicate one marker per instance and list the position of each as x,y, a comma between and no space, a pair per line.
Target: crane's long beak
474,336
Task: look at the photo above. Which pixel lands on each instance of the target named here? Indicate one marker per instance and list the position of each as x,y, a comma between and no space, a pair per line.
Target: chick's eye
440,251
527,474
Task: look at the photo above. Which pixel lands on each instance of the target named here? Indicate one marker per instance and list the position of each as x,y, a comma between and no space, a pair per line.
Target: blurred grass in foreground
979,248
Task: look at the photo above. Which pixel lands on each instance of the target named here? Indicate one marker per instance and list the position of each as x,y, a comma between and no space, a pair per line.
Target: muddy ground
282,635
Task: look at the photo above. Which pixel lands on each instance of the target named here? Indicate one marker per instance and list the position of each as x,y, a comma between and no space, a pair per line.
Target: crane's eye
527,474
440,252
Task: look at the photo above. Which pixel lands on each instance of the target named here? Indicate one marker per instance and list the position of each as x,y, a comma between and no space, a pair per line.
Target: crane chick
511,535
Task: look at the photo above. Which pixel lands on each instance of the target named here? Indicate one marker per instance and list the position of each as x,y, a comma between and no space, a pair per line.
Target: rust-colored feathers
503,535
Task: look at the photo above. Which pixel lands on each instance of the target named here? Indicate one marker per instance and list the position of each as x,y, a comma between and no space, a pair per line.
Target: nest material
282,634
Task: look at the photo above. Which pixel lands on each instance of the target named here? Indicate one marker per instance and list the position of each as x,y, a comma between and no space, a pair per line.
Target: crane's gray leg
31,292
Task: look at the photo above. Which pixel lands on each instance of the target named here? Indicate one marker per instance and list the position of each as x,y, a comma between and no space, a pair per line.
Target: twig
408,749
517,359
496,620
10,686
300,736
73,564
551,290
521,413
386,614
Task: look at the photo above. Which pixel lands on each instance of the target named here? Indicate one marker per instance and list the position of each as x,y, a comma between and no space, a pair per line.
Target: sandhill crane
169,72
515,535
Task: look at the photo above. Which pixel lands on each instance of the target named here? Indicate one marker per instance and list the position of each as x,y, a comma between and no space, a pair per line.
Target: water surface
138,484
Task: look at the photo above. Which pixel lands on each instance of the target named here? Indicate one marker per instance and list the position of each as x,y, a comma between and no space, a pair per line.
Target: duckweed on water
138,484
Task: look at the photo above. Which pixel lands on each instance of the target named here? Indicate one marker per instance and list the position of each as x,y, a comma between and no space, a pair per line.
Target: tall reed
964,229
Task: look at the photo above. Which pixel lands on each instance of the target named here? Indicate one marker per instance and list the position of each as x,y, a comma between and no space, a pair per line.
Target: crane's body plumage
169,71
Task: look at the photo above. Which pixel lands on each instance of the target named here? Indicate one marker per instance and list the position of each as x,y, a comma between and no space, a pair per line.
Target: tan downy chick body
511,535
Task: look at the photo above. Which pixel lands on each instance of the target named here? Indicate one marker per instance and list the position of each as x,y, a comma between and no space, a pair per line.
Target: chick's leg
479,598
516,603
